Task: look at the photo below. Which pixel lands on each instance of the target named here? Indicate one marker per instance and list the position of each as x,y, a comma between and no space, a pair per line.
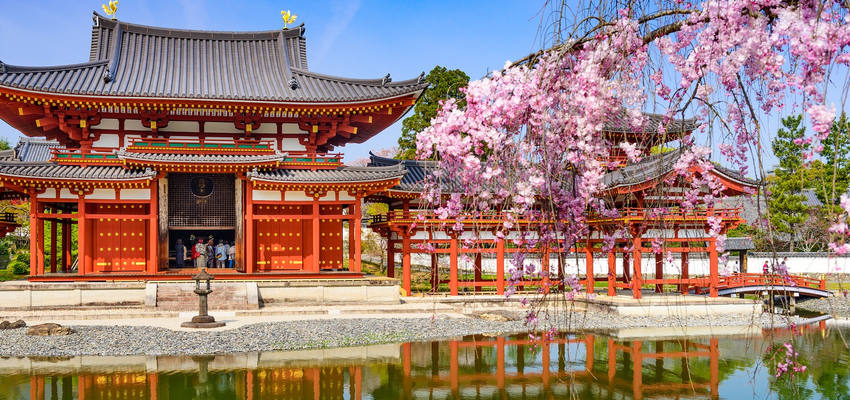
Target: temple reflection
477,367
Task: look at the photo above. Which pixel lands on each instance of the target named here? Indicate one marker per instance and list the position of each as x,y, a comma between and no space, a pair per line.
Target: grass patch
8,275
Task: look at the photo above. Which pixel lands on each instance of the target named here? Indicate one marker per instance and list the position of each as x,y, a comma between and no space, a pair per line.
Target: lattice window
201,200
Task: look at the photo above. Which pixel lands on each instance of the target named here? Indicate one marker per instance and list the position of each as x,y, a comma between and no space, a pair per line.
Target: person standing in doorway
231,255
220,254
199,253
211,253
180,253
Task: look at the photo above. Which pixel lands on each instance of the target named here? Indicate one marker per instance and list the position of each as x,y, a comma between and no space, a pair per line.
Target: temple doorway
200,206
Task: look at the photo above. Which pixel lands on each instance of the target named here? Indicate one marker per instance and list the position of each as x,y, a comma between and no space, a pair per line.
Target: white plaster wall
801,263
102,194
344,196
135,194
331,196
180,126
266,128
107,140
296,195
65,193
291,128
291,144
266,195
221,127
49,193
107,123
134,125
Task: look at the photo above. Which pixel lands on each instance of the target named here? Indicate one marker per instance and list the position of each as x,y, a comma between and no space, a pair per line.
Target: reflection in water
577,366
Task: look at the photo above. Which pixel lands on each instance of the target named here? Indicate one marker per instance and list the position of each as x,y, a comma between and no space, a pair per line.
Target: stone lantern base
202,321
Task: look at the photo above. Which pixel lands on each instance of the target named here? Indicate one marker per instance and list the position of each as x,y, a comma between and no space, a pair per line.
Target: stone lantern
203,319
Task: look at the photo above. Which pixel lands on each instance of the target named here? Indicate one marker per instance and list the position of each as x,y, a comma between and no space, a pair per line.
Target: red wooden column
588,268
66,246
500,266
454,369
351,239
153,231
627,276
659,272
390,256
316,227
612,272
83,256
250,231
637,370
435,273
39,235
544,268
405,262
33,234
355,227
54,254
453,273
589,356
478,277
684,287
612,363
500,363
545,375
637,280
713,273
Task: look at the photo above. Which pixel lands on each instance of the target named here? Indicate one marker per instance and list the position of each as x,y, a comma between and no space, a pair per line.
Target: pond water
606,366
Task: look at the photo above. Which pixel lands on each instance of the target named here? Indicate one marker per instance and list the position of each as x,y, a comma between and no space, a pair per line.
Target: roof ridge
374,81
196,33
27,68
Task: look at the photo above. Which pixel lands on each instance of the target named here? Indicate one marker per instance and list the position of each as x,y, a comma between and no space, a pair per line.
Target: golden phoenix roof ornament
112,9
288,18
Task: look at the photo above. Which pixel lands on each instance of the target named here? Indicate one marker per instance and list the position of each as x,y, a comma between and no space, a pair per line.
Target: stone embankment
838,306
328,333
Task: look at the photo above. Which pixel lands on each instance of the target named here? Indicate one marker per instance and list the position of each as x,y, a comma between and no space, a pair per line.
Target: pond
613,365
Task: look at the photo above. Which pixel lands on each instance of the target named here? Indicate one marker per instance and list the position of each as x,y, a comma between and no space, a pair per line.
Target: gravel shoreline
838,306
315,334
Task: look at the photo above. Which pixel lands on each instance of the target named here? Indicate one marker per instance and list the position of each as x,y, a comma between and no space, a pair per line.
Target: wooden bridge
757,283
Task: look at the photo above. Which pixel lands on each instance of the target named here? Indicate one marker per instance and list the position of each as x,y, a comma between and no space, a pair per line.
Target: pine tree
445,84
836,159
787,211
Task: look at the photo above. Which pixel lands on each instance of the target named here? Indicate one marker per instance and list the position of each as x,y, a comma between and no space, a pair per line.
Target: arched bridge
757,283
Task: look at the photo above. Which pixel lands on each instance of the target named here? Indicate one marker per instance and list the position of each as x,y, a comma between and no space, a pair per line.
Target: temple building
647,195
167,134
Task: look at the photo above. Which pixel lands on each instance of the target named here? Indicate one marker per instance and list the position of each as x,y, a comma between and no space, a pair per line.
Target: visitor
220,254
231,255
199,253
180,253
782,269
211,253
764,268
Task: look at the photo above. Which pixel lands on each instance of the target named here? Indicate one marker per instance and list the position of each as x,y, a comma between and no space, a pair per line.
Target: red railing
202,145
400,216
744,280
303,158
91,155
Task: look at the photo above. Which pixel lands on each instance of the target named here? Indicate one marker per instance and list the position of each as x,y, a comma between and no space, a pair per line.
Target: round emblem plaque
202,186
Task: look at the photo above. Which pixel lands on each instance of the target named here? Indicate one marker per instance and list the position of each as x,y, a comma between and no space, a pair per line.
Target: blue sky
358,39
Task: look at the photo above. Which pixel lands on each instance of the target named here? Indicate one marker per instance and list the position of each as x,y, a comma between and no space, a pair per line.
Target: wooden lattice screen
201,200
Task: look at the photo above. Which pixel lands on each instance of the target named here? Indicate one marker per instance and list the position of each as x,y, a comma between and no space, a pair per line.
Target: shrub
20,264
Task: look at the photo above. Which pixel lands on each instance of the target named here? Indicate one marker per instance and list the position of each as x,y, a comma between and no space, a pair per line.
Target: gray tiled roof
50,170
35,150
342,174
620,123
417,171
200,158
137,60
651,167
739,243
810,198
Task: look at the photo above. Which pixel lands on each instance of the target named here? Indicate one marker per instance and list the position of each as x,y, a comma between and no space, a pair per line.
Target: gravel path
838,306
295,335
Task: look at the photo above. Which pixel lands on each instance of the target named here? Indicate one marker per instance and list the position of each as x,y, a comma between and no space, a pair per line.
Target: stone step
181,296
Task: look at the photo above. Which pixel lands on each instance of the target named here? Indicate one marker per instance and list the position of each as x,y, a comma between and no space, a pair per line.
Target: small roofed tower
168,134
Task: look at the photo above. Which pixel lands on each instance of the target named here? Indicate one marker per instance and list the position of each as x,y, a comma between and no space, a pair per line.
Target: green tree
787,211
444,84
4,144
836,159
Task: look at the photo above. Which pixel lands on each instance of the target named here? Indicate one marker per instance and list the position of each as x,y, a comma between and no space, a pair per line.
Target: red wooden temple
168,133
638,190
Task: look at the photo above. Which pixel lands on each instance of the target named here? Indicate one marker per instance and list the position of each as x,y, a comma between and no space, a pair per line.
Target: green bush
20,264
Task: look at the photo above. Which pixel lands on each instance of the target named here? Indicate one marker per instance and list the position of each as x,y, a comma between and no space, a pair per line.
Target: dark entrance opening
200,205
190,238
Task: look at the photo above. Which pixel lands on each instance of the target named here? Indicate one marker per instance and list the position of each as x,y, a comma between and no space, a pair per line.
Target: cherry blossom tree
529,138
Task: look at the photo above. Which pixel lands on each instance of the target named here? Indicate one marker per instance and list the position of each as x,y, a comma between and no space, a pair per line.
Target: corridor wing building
169,133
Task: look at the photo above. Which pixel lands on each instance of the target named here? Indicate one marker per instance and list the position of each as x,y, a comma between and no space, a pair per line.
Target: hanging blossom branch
530,142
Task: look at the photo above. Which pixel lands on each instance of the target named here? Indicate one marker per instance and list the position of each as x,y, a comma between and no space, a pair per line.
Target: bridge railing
750,279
